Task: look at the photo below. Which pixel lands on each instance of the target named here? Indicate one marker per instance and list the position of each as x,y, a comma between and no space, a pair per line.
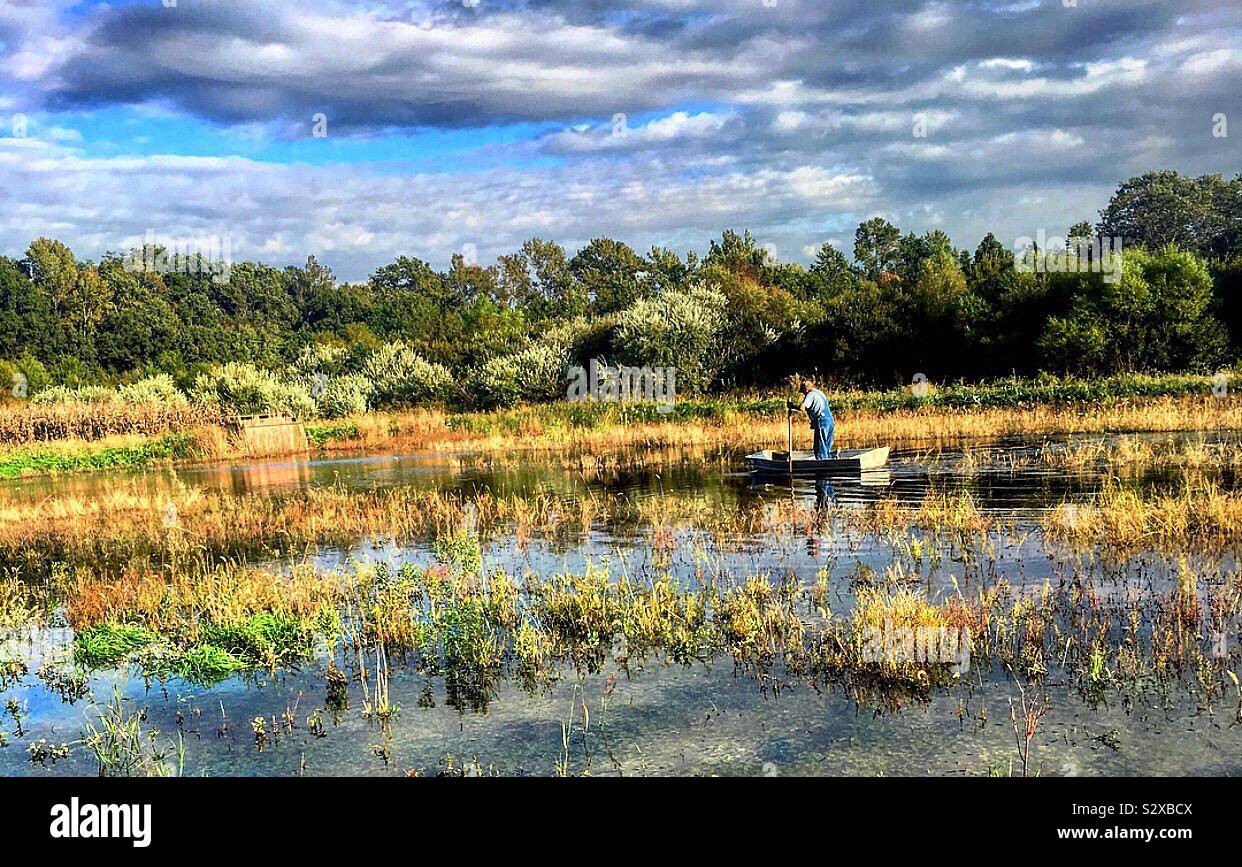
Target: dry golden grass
431,430
176,604
22,424
130,521
1201,514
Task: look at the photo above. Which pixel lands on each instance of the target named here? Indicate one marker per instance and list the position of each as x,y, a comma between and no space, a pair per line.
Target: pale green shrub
495,382
85,394
536,374
328,358
159,389
244,389
680,329
402,377
345,396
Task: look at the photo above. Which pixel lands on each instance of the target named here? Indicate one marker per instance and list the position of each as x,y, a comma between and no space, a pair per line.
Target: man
815,402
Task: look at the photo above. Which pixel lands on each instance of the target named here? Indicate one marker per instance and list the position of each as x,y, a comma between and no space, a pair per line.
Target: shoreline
729,426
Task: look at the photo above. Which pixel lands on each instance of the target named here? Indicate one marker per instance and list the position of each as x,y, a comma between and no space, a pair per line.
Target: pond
664,717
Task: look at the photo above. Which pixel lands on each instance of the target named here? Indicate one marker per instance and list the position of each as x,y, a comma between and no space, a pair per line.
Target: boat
804,462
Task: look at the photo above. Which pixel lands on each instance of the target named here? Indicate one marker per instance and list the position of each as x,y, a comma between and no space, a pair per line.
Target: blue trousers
823,441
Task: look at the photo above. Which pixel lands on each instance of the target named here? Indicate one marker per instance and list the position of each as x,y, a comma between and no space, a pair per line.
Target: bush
327,358
59,394
345,396
401,377
244,389
159,389
12,383
536,374
674,329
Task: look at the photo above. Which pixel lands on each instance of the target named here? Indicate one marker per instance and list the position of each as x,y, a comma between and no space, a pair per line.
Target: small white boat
804,462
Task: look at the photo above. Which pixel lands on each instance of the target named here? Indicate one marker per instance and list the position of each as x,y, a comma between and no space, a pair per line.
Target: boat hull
804,462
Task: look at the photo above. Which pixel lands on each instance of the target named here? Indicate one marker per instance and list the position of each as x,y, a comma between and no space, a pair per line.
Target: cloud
655,121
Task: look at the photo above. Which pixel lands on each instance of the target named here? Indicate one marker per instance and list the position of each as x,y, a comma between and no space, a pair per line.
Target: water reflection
1000,475
698,719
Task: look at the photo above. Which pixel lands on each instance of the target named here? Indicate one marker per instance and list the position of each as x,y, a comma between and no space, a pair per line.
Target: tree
54,270
876,246
1158,316
470,281
1167,207
538,275
740,254
663,269
608,272
308,281
91,298
26,323
831,274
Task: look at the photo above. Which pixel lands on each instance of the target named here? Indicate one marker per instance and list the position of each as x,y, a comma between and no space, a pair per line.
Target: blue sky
452,126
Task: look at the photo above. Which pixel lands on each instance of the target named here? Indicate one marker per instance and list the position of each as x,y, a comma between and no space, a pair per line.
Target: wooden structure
271,434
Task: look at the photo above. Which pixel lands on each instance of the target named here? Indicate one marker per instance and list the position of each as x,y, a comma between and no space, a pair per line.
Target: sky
362,131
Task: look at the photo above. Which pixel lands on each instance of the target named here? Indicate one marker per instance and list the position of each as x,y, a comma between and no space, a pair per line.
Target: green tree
876,244
54,270
1167,207
607,271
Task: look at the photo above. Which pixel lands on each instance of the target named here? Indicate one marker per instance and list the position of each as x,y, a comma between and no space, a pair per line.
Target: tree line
898,304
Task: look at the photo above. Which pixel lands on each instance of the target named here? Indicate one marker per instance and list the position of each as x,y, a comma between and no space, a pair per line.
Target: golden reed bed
430,430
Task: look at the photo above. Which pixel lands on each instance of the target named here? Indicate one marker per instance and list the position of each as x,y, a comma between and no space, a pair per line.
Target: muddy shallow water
702,719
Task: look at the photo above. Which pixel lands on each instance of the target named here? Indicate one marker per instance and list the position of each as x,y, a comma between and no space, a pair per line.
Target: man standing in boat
815,403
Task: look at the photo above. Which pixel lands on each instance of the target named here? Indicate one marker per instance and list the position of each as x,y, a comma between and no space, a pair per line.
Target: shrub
345,396
327,358
495,382
12,382
674,329
244,389
36,374
158,389
401,377
59,394
536,374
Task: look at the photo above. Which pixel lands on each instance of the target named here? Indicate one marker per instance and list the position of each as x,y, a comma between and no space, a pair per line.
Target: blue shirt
816,405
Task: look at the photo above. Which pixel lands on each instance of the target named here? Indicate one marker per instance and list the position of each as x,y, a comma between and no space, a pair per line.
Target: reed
22,424
737,429
474,630
123,745
1200,516
112,530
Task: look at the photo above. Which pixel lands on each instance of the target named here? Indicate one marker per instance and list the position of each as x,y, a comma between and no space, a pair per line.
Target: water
662,720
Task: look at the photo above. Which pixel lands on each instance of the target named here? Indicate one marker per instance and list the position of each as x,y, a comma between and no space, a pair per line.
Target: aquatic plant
122,745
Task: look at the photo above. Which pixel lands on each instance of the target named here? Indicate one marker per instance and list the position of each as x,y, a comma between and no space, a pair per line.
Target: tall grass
22,424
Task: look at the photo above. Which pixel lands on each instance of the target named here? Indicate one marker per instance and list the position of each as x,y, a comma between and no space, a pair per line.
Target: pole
789,437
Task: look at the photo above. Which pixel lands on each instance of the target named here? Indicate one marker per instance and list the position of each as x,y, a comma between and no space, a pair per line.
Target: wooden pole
789,437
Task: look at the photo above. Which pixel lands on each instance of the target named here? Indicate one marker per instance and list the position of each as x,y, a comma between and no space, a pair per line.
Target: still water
661,720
